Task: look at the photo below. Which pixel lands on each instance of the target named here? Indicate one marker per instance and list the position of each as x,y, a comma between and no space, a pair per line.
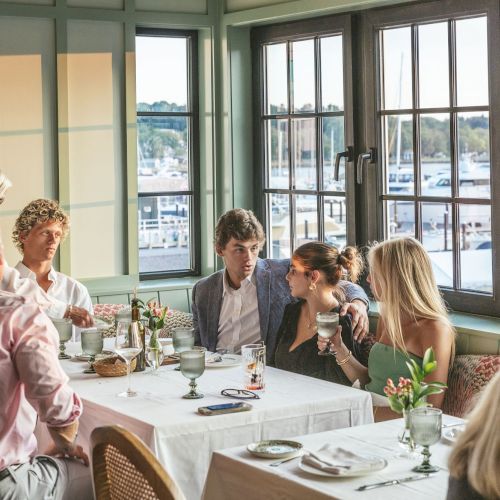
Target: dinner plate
452,434
226,361
318,472
275,448
85,357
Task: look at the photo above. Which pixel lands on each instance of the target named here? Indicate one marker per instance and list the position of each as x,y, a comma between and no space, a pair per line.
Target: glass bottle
137,325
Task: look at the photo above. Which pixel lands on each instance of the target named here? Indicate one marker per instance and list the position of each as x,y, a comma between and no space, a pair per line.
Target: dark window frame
192,114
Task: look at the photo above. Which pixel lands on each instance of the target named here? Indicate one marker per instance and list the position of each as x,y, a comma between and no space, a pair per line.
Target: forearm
64,437
353,292
352,368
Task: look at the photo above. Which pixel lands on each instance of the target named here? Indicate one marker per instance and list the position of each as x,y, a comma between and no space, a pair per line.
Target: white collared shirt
63,288
239,322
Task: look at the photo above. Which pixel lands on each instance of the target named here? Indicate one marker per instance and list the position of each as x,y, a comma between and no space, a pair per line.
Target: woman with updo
315,271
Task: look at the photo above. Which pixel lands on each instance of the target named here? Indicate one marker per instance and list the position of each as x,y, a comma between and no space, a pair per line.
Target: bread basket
113,366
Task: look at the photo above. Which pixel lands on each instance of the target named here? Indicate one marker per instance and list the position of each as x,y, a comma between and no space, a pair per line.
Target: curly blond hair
37,212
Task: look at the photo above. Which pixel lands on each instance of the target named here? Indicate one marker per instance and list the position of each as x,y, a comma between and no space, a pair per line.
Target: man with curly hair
41,226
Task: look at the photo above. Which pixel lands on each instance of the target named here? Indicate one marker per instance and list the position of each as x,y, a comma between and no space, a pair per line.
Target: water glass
425,430
64,327
326,324
183,339
254,363
128,345
192,366
92,344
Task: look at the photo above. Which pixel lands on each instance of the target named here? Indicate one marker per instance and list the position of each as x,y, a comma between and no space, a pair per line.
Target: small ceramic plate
452,434
85,357
381,464
275,449
222,361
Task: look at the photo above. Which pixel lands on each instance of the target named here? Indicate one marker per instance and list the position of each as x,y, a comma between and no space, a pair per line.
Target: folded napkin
213,357
339,461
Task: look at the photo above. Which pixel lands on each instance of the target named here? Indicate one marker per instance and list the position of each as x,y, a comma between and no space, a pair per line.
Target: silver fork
279,462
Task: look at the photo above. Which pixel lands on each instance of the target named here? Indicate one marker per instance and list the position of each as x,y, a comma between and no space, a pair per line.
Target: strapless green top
386,362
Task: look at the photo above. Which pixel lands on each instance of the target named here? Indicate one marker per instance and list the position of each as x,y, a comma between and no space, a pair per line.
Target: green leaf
396,405
428,356
412,369
421,403
429,367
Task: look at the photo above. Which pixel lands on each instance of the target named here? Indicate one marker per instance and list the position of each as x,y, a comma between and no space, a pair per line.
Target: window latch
348,154
371,156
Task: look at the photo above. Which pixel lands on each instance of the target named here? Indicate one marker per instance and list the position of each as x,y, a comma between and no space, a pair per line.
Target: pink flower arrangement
155,313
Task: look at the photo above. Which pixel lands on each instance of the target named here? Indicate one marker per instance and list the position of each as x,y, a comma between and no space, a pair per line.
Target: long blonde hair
476,453
402,272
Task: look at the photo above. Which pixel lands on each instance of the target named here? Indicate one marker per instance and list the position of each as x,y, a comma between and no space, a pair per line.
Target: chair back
124,468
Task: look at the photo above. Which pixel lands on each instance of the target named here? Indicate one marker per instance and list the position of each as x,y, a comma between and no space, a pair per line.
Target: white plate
452,434
275,448
318,472
227,361
85,357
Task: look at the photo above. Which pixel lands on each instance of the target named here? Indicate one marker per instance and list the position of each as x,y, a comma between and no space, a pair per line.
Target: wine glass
326,324
127,345
92,344
64,327
192,367
425,429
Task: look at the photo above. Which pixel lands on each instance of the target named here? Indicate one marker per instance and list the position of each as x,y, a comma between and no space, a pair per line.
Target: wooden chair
124,468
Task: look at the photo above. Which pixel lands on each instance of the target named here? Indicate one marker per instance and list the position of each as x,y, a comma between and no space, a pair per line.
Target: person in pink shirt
33,384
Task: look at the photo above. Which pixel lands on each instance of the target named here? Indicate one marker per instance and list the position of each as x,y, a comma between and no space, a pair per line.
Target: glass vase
154,351
405,440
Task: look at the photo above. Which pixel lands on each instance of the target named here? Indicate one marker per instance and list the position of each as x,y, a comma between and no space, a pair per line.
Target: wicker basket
113,366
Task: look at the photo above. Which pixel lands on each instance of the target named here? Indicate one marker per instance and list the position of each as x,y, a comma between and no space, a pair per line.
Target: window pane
475,248
164,233
433,65
279,239
401,218
435,154
335,221
332,71
304,152
277,79
398,158
437,236
302,75
163,153
472,62
157,60
277,154
333,143
474,155
306,219
396,64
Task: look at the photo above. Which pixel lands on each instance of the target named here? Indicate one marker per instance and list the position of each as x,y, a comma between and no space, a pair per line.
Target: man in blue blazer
244,302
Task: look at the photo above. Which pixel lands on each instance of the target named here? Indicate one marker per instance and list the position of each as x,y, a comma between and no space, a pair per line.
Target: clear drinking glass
127,345
92,344
192,367
64,328
326,324
425,429
254,363
182,339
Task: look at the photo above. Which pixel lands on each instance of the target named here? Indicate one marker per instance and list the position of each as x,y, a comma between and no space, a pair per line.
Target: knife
393,481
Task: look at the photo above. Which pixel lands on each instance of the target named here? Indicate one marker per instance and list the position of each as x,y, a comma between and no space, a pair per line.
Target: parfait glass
127,345
92,344
192,367
64,328
425,429
326,324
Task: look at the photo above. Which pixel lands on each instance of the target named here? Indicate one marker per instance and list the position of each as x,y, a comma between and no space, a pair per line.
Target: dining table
181,438
236,474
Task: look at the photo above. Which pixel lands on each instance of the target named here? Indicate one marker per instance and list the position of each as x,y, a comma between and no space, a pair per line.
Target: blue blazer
273,294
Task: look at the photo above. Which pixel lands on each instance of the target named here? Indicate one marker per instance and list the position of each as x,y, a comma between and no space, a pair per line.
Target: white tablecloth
235,474
183,440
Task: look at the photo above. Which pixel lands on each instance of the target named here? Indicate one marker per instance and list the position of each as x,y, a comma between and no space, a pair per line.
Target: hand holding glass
64,328
192,367
425,429
92,344
127,345
326,324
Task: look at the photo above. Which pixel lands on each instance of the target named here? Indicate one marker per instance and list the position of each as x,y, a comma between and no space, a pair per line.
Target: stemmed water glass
425,429
127,345
92,344
192,367
182,339
326,324
64,327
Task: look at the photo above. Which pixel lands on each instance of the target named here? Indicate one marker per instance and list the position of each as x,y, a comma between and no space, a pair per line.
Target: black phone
224,408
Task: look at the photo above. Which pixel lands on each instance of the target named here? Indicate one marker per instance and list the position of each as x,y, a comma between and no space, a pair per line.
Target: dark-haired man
244,303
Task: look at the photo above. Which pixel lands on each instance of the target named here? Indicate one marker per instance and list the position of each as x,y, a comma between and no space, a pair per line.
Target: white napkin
339,461
213,357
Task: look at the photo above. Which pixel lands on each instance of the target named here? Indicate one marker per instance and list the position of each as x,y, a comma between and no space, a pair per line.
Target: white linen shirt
63,288
239,316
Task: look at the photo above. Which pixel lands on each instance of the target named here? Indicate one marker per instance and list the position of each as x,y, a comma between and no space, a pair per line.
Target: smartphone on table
224,408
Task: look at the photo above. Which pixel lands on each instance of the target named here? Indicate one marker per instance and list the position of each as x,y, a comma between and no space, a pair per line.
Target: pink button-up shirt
31,379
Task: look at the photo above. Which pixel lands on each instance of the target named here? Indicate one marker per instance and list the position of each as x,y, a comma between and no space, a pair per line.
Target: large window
167,138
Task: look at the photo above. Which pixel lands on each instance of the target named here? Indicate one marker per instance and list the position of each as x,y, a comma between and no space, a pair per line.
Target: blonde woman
314,277
412,318
475,458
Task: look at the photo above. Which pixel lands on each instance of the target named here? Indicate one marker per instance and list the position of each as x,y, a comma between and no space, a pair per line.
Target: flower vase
155,351
404,436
